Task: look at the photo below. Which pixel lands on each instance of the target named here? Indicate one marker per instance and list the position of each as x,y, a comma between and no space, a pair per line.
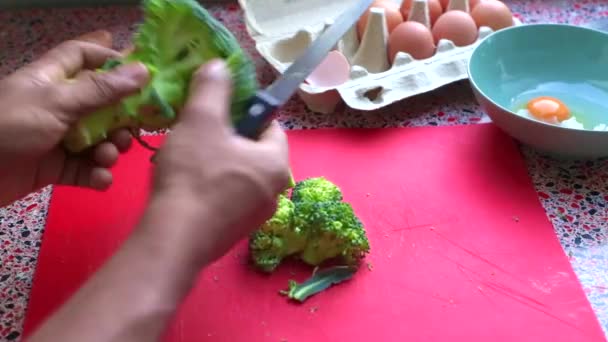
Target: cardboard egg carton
283,29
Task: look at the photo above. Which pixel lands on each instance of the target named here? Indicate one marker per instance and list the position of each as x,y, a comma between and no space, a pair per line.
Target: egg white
570,123
601,127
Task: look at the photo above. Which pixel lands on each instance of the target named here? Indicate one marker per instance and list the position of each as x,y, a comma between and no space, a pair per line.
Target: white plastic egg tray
283,29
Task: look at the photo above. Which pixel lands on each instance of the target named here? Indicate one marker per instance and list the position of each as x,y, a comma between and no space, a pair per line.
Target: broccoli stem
319,281
292,180
95,128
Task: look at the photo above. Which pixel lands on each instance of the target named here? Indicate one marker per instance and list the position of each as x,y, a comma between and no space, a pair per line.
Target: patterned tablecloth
574,194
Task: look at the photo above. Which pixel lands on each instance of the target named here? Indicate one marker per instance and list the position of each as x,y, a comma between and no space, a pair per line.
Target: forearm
134,295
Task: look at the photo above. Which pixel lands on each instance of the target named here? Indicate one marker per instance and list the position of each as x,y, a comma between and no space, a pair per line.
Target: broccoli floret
317,189
277,238
333,231
314,226
174,39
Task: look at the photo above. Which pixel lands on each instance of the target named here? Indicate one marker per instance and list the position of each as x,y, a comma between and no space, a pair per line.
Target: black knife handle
260,112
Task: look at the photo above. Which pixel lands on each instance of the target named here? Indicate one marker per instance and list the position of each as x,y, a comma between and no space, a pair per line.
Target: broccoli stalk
314,225
174,39
319,281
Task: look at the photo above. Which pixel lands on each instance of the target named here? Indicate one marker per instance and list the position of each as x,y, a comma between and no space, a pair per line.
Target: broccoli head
173,40
315,225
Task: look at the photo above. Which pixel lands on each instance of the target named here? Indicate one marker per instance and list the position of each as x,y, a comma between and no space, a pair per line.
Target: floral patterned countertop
574,194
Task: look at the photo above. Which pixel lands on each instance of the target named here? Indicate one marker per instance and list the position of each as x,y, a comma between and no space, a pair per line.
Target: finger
127,50
72,168
80,172
99,37
69,57
274,136
208,106
122,139
99,179
274,141
83,75
99,89
105,154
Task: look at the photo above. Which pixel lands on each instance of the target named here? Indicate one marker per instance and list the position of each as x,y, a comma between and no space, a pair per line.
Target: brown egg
457,26
445,3
391,12
492,13
435,9
411,37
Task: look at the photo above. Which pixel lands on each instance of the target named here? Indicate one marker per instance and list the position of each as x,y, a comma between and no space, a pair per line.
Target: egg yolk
548,109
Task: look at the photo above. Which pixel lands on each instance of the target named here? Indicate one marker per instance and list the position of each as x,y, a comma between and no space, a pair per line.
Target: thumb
95,90
208,105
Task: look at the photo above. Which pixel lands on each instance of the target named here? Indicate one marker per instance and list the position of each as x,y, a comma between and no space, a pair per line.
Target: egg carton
283,29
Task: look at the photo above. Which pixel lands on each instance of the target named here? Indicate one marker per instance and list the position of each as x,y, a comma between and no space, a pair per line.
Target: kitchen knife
263,105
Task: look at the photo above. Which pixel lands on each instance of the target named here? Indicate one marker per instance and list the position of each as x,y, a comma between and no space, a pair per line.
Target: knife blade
262,106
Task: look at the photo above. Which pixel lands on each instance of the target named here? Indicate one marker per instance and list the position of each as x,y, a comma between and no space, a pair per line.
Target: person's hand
220,184
43,99
210,188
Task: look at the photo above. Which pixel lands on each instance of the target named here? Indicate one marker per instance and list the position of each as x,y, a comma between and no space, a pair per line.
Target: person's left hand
43,99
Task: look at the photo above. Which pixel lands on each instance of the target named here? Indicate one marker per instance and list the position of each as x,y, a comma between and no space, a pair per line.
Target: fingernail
215,69
135,71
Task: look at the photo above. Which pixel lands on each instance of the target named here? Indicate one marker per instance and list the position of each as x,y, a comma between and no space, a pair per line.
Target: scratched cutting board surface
461,248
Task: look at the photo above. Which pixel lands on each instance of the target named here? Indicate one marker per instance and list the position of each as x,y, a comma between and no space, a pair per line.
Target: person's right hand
221,184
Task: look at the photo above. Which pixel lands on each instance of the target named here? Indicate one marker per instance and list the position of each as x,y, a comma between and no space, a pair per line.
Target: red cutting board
461,248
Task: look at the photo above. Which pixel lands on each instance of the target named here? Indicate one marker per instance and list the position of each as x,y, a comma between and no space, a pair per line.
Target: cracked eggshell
333,71
325,103
282,30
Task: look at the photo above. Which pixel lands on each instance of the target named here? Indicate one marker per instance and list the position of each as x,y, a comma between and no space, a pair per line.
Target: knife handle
259,113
